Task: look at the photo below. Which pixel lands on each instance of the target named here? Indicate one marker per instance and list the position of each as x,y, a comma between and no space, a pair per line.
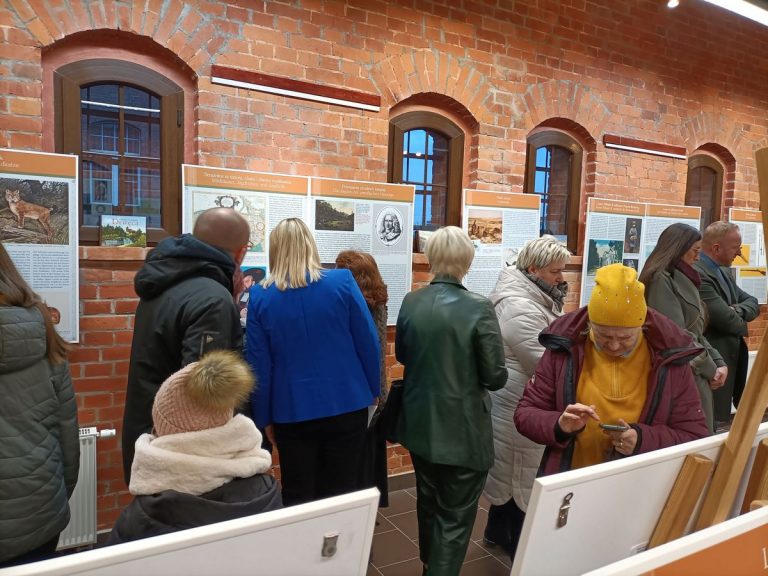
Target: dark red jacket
672,412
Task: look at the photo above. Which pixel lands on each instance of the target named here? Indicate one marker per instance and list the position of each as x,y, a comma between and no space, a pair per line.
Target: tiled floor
395,550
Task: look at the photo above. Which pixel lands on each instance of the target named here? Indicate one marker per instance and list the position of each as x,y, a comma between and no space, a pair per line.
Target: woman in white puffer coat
528,296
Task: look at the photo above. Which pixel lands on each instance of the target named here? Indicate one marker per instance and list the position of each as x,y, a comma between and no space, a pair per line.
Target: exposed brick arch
121,46
703,129
422,73
179,26
574,129
728,161
588,169
561,99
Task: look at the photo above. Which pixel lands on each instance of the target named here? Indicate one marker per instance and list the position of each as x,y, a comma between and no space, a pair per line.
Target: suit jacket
314,350
730,308
449,341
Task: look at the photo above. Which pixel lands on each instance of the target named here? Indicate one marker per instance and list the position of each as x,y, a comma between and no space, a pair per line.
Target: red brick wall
693,77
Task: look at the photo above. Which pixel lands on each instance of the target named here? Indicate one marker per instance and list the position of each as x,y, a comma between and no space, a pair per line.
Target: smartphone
614,427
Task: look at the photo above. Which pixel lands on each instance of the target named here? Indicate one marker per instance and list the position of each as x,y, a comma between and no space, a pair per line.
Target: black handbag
386,423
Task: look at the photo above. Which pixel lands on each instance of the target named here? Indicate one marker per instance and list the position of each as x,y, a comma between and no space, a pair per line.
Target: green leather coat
450,343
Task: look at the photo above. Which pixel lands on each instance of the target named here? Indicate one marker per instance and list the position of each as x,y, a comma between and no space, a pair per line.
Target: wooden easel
729,469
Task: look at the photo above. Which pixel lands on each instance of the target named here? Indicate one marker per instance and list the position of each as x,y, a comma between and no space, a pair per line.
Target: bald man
187,308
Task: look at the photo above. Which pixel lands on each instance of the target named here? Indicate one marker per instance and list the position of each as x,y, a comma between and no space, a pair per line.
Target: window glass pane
541,184
136,98
417,142
418,208
702,191
416,171
120,156
103,93
425,164
552,180
542,157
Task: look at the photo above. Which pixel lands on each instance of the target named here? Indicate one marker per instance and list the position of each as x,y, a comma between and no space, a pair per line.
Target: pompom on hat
202,395
618,298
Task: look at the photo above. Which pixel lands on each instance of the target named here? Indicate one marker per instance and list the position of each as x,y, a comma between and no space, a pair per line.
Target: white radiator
81,529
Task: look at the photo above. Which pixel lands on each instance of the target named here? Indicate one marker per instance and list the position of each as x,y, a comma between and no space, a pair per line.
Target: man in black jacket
187,308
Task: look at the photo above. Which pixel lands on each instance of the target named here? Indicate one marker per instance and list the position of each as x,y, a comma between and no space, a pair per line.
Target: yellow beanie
618,298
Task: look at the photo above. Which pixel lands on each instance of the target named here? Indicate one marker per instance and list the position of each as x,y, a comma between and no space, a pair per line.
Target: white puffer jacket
523,310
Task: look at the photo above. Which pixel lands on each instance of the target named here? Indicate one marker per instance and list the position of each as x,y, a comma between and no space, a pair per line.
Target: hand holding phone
614,427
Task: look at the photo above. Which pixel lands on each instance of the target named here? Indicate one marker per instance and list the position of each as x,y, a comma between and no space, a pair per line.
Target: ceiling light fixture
673,3
743,8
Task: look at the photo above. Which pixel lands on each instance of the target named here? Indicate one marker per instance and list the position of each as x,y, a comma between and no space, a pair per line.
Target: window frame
562,140
422,119
67,135
700,160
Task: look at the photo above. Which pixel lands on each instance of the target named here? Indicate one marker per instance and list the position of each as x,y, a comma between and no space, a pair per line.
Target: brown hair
367,276
673,243
14,291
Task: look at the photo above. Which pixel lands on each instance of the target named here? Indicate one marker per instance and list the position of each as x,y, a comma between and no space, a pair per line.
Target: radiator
81,529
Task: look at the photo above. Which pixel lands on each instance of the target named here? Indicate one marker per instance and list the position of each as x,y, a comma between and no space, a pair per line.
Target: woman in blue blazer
314,348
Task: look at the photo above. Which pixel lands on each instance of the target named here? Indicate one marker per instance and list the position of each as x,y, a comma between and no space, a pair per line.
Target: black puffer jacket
171,511
186,309
39,445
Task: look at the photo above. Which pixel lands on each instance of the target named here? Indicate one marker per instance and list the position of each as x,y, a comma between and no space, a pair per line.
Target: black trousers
505,524
446,507
322,457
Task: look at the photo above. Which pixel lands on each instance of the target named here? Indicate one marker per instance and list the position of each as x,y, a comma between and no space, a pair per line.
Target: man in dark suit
729,307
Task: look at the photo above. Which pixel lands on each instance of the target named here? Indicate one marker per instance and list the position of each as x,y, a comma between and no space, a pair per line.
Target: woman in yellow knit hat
613,363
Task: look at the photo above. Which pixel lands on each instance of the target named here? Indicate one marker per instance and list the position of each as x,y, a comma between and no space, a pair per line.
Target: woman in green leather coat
449,341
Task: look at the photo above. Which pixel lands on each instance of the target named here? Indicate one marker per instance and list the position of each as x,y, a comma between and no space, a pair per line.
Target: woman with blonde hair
40,448
448,340
528,297
313,346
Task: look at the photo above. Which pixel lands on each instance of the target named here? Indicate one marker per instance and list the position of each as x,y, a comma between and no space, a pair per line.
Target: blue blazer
314,350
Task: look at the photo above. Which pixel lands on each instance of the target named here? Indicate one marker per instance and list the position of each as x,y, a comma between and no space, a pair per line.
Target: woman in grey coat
39,444
528,297
672,288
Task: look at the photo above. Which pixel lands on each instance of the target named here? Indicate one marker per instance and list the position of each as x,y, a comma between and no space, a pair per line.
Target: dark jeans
322,457
43,552
446,506
505,523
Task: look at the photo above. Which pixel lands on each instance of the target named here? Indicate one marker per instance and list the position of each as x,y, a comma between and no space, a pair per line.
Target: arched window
553,171
124,121
426,150
704,187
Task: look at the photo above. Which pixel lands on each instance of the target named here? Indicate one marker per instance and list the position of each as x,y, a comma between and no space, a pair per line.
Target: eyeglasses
250,245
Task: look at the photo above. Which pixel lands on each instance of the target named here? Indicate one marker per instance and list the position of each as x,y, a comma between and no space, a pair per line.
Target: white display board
614,508
371,217
627,233
499,224
39,229
733,547
285,542
263,199
750,265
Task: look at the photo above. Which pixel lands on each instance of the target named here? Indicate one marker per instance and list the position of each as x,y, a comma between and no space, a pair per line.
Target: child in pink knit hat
203,464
